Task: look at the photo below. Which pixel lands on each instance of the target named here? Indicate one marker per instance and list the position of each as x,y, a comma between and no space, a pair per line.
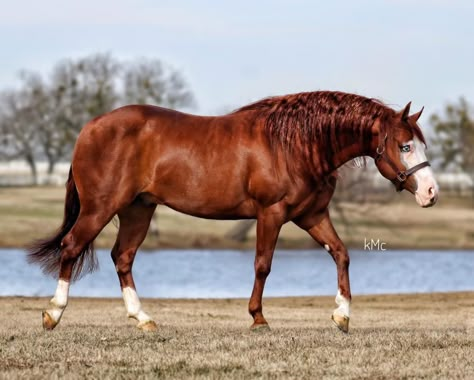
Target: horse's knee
339,253
342,258
263,267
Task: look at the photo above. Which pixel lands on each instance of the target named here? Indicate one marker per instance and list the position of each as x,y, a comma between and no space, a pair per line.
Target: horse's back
196,164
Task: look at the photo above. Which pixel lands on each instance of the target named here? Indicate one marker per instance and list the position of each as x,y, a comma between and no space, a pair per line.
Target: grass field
392,337
31,213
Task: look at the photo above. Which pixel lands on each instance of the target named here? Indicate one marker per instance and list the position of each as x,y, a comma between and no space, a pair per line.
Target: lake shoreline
230,273
319,299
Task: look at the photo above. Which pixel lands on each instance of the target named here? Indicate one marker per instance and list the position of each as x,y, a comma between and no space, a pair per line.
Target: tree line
41,118
453,138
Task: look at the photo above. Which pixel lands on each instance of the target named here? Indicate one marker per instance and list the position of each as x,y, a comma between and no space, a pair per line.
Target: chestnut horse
273,160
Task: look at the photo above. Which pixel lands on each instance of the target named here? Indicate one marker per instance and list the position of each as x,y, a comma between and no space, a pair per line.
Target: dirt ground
392,337
30,213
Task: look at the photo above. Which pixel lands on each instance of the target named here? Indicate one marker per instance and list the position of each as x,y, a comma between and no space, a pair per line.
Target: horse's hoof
147,326
48,322
260,327
341,322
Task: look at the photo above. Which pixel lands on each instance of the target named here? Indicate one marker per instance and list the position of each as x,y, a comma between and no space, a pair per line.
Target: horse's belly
212,209
212,202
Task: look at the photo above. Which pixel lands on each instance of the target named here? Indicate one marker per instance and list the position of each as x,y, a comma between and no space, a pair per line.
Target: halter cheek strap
401,175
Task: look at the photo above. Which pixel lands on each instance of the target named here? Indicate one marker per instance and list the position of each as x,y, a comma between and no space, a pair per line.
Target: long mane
309,115
324,118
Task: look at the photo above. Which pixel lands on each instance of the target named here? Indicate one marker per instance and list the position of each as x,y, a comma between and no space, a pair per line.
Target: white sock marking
344,305
133,305
59,301
326,247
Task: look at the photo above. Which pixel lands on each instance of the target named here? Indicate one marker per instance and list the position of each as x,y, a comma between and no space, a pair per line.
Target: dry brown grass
32,213
400,336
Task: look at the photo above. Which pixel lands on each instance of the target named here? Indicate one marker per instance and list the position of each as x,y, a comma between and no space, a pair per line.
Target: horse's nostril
433,195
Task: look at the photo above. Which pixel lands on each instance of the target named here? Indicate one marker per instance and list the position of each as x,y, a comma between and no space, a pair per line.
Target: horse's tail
47,252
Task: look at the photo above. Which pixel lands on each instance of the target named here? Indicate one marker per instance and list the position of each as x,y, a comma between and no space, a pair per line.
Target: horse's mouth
426,202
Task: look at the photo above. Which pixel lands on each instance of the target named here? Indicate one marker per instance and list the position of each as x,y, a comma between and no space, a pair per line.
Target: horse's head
400,156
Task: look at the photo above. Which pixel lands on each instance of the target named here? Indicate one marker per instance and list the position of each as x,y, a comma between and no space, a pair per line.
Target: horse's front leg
325,234
269,223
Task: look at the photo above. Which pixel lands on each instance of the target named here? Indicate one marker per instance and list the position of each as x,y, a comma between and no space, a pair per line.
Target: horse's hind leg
134,223
269,223
84,231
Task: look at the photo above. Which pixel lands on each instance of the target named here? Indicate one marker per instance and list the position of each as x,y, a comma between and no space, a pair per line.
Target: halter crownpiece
402,175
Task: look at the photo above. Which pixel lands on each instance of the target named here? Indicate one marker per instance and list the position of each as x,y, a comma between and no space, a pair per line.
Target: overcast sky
232,53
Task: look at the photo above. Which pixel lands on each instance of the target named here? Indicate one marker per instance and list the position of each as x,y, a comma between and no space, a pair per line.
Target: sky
232,53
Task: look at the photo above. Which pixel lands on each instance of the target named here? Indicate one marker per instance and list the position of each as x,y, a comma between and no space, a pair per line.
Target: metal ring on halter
401,176
381,148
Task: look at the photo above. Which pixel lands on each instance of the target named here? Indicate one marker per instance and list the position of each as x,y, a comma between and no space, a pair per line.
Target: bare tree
19,123
151,82
240,231
79,90
454,139
43,118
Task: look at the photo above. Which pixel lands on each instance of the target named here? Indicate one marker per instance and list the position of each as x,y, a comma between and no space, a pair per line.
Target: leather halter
402,175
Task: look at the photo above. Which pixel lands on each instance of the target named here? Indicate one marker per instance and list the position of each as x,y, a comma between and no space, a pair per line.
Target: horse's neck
348,154
350,148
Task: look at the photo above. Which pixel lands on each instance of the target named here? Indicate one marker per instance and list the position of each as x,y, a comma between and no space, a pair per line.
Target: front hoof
48,322
260,327
341,322
147,326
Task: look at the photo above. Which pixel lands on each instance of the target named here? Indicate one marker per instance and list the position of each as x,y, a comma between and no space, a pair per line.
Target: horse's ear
417,115
406,111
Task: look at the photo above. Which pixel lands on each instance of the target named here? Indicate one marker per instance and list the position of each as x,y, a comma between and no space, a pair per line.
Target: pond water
229,273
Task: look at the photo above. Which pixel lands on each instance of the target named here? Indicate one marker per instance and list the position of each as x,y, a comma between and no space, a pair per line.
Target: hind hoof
48,322
341,322
147,326
260,327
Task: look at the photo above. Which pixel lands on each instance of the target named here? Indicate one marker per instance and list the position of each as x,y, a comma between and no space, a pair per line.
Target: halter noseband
402,175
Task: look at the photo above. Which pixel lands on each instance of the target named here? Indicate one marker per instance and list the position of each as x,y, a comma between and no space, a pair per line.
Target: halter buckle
401,176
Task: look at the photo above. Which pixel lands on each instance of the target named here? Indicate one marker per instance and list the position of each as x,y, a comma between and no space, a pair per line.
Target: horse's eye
405,148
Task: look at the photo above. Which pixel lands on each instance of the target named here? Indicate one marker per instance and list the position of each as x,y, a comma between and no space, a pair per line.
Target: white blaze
427,187
133,305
